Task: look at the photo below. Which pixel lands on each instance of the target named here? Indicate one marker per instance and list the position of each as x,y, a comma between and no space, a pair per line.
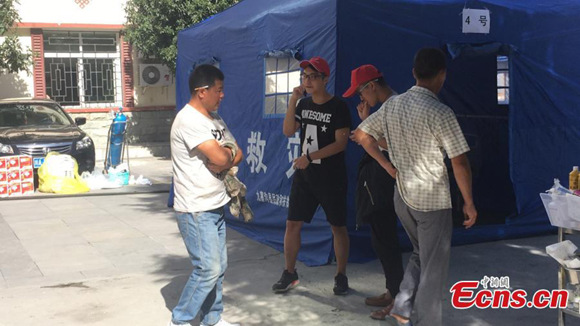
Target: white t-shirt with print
197,189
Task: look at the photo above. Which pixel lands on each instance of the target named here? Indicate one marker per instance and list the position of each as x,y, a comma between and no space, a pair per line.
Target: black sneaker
340,284
287,281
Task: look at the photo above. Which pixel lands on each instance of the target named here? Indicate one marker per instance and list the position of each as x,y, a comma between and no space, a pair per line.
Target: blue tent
517,149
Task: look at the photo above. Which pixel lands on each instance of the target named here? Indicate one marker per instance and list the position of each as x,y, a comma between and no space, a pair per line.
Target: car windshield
32,114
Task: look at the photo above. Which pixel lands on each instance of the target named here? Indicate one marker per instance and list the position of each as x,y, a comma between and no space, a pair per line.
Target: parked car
36,127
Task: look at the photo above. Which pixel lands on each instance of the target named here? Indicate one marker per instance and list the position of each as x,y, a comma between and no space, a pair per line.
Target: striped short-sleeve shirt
420,132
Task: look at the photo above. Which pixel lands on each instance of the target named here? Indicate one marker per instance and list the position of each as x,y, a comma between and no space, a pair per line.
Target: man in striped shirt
420,131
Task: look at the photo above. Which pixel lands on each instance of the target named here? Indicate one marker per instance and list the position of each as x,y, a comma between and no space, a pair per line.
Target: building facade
82,61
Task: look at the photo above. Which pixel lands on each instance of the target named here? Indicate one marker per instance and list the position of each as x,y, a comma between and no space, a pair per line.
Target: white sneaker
222,323
172,324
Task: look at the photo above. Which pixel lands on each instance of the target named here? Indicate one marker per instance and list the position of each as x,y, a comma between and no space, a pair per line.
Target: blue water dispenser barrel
117,137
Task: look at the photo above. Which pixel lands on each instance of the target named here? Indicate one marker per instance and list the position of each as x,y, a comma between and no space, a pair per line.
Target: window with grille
503,80
282,75
83,69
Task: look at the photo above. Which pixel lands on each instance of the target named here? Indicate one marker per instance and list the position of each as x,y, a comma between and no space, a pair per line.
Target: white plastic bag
97,180
564,253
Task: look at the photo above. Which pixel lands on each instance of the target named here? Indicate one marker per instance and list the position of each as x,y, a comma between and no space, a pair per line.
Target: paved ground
119,260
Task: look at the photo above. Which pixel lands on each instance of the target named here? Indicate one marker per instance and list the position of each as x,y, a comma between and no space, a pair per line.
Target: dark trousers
386,245
375,206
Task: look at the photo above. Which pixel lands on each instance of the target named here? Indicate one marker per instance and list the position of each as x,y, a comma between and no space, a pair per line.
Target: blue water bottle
117,136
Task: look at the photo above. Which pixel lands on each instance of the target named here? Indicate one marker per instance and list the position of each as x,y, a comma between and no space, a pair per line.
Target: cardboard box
25,161
14,189
3,190
27,187
27,174
16,175
13,175
13,162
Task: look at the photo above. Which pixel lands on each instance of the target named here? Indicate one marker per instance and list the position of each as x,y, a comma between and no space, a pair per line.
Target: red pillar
38,59
127,73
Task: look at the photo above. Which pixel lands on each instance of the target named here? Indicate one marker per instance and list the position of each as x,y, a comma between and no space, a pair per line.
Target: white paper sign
476,21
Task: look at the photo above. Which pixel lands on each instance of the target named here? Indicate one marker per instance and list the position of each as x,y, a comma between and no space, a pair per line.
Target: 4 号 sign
476,21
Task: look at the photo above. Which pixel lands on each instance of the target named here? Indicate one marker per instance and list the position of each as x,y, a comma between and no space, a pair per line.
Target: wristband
232,147
308,157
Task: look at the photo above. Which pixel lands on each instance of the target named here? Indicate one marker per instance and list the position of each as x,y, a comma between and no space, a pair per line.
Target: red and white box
27,187
27,174
3,190
25,161
13,176
13,162
14,189
16,175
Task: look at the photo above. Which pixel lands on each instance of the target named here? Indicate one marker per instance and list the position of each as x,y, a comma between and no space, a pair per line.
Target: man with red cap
374,191
320,176
421,132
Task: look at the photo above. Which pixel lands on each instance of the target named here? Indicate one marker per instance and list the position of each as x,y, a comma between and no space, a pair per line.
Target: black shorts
306,195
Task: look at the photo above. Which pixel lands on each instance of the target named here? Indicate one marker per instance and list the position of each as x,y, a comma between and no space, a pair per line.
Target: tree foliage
12,57
152,26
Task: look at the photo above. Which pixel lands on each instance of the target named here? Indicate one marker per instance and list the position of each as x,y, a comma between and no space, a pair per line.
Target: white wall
21,84
69,12
154,96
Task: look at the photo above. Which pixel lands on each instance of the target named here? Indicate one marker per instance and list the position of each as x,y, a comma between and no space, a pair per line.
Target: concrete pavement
119,260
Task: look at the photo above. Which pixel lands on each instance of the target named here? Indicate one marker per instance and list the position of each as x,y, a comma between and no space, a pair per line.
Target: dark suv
37,126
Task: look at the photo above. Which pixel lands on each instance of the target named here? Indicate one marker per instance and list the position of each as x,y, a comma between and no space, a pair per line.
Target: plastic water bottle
574,178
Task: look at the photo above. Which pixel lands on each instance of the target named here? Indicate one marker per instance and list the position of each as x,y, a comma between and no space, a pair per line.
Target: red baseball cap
359,76
317,63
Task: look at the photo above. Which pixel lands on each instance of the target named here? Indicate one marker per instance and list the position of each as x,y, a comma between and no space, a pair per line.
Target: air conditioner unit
155,75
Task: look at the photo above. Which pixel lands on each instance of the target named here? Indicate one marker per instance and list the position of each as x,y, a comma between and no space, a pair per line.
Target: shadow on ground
253,268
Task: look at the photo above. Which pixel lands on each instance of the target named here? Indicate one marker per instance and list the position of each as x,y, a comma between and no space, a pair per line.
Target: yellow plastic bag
59,174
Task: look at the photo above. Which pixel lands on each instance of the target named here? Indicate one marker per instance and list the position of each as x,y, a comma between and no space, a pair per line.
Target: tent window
282,74
503,80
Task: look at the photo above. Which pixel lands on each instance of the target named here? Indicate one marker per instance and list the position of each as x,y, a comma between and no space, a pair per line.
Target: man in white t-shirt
197,136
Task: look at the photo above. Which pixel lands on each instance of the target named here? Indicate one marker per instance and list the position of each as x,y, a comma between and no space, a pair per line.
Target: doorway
477,89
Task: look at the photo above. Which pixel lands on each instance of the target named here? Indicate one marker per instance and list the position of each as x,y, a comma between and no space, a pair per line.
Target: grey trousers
426,273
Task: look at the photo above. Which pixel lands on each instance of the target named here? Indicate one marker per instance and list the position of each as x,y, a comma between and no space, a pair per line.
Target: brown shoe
382,313
382,300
